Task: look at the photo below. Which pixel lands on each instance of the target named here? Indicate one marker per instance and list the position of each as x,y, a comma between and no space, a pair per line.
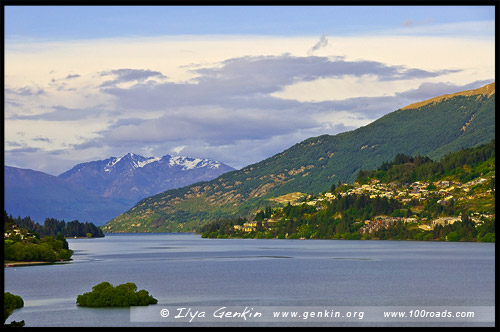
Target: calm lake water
184,270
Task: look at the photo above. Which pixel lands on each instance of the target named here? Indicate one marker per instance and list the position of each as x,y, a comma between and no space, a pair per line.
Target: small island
106,295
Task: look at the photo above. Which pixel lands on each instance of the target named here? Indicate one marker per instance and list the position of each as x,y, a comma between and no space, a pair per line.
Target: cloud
272,72
475,30
178,149
13,143
23,150
129,75
230,105
42,139
223,97
277,71
410,23
214,126
26,91
51,162
248,82
62,113
407,23
61,84
323,42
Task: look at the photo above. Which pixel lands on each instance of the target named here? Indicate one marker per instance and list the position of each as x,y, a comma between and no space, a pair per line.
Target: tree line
52,227
22,246
343,220
335,220
407,169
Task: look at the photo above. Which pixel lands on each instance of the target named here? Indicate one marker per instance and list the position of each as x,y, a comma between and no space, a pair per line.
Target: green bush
124,295
489,237
453,236
10,303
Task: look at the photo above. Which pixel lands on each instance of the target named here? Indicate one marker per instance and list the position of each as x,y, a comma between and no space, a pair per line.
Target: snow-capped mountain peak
192,163
113,161
148,161
131,161
132,177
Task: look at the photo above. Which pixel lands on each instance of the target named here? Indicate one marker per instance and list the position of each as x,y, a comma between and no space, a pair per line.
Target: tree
453,236
488,237
102,286
17,252
60,237
10,303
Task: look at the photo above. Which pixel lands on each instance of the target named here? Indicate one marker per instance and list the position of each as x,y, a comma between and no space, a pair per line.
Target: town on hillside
420,206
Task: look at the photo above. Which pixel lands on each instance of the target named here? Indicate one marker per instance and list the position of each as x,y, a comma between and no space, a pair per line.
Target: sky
236,84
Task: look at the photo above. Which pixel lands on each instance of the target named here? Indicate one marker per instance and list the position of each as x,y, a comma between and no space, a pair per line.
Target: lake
186,271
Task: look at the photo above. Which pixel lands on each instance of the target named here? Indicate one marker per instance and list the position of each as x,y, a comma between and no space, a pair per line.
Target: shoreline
83,237
313,239
28,263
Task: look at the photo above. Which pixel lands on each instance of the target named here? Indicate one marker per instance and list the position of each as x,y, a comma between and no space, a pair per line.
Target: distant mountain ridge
432,128
98,191
133,177
131,161
487,90
40,195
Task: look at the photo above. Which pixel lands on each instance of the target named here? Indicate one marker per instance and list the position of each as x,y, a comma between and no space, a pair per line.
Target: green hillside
432,129
410,198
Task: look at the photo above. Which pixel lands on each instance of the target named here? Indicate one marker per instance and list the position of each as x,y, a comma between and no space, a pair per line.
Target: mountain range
98,191
431,128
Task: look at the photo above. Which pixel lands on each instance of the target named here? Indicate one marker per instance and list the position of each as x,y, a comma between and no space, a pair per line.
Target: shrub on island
106,295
